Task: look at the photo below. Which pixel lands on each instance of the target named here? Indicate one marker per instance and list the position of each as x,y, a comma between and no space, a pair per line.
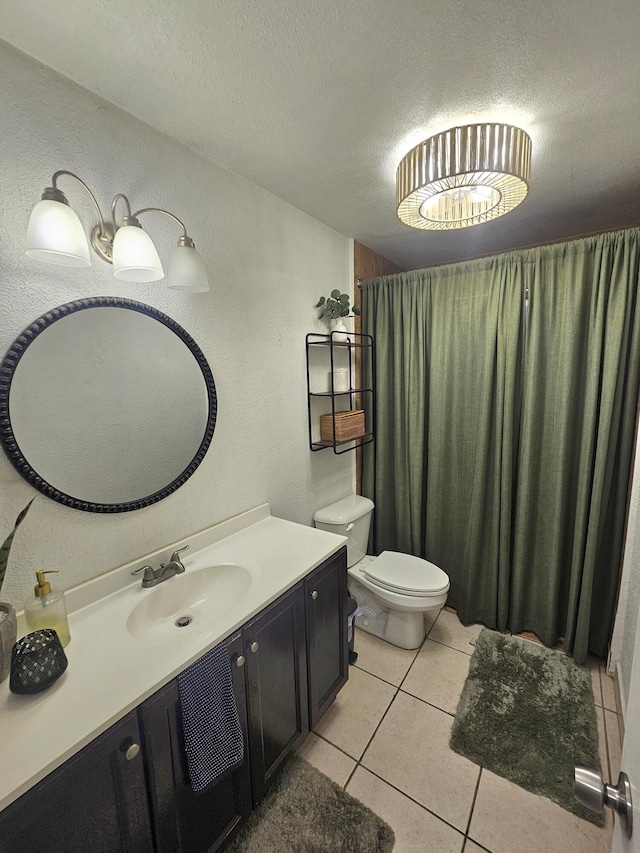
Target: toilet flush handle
349,527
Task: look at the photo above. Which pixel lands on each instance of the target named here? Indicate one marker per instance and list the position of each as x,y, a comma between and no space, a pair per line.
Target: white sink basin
189,602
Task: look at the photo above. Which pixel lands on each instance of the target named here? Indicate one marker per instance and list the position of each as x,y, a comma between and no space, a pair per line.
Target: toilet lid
405,573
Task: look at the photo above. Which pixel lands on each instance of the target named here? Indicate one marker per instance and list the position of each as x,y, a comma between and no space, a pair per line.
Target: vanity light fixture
463,176
55,235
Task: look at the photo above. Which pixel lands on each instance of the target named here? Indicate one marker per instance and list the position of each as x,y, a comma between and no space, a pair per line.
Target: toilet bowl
396,592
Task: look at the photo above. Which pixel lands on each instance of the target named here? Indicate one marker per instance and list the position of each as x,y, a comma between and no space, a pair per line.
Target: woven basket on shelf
348,425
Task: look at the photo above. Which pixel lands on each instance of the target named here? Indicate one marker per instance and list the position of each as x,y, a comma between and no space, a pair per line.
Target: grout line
351,775
406,675
396,686
414,801
479,846
605,711
455,648
473,804
393,699
425,702
384,680
326,740
426,635
606,745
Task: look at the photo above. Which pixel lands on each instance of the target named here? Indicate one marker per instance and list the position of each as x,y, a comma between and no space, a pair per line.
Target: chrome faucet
153,577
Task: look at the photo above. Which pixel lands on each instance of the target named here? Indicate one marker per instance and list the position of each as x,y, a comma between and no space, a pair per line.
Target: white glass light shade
135,258
55,235
187,271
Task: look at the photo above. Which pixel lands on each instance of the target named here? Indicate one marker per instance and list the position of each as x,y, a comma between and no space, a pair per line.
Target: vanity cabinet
129,790
96,801
181,819
278,710
327,645
269,668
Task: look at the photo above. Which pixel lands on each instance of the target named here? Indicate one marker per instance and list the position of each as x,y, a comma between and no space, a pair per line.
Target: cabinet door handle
314,594
240,660
132,751
254,647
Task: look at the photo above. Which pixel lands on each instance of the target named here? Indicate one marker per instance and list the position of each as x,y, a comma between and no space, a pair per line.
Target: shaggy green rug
527,713
305,812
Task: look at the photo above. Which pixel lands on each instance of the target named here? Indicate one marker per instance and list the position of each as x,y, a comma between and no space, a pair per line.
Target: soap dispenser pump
47,609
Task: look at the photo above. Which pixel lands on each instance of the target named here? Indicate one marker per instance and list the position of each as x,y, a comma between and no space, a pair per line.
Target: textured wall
267,265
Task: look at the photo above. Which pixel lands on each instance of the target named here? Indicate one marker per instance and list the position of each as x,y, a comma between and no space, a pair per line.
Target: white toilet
397,592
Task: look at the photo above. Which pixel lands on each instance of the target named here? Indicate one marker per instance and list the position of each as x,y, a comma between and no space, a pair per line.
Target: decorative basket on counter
348,425
37,661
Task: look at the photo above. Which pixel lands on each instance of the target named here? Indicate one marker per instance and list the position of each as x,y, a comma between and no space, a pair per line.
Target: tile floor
386,741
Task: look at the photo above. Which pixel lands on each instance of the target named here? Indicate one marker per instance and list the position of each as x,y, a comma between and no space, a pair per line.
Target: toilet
396,592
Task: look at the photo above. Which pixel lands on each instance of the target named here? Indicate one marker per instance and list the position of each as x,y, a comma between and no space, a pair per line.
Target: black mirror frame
7,371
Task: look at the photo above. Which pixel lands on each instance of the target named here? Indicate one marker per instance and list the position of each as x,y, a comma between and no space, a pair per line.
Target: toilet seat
405,574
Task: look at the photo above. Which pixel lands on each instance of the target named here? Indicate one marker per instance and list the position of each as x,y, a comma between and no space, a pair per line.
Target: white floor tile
438,675
327,759
613,744
602,744
608,691
450,631
416,829
352,719
411,751
381,658
506,819
594,670
472,847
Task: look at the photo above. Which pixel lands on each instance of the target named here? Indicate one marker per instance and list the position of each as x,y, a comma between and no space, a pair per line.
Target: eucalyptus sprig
6,545
337,305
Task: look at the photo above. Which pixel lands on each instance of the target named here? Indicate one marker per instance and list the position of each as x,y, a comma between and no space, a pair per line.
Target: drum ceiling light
463,176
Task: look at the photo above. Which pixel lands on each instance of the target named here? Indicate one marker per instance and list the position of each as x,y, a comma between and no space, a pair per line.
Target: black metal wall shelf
334,345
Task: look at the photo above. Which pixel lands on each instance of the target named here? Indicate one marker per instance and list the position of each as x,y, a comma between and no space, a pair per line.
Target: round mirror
106,405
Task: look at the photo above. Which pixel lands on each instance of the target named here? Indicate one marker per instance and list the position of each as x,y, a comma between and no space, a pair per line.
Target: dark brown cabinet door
274,647
94,802
182,820
328,650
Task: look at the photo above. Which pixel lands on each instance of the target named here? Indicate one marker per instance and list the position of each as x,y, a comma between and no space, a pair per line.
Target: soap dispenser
47,609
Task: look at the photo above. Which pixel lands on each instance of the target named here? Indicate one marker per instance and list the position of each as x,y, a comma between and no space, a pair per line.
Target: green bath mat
527,713
305,812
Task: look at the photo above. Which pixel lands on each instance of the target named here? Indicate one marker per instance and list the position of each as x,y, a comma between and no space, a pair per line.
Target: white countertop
110,671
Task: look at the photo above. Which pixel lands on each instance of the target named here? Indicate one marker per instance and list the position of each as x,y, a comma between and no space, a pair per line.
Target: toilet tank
349,517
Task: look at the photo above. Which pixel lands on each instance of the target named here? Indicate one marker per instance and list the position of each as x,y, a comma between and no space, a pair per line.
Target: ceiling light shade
186,269
135,258
463,176
55,235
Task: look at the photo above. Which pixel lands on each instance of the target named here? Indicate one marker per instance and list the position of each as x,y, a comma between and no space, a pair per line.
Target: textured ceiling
318,101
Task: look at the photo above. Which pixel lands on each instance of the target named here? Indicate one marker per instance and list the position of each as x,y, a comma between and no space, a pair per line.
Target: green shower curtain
504,435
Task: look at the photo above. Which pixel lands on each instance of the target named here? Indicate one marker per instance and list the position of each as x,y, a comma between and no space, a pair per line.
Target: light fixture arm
58,195
184,240
114,204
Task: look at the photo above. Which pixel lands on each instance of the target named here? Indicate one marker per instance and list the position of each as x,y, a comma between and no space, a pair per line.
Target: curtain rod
519,249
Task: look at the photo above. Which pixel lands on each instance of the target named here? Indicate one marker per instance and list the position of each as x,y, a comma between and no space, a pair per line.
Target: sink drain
183,621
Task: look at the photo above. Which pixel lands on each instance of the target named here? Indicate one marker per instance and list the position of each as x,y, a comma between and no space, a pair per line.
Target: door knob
594,793
314,594
254,647
240,660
